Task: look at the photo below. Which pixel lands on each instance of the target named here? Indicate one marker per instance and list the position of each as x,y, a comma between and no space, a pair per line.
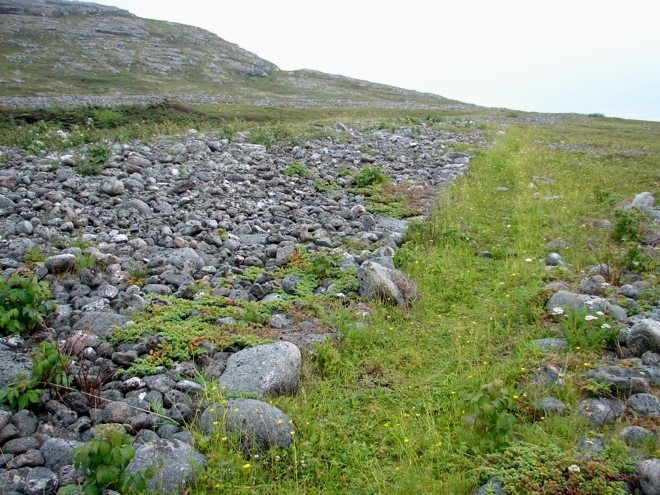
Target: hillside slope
56,47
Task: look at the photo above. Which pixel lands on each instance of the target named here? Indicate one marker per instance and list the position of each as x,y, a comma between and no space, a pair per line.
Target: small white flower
606,325
590,318
600,313
558,310
574,468
529,260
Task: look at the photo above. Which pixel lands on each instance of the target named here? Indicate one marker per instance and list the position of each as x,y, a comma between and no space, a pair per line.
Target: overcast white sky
581,56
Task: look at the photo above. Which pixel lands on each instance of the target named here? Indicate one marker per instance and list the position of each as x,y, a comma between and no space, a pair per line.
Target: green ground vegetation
386,410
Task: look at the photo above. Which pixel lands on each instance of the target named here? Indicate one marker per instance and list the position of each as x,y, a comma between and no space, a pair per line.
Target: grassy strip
385,412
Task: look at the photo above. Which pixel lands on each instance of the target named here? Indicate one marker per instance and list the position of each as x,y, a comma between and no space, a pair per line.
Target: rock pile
623,378
181,212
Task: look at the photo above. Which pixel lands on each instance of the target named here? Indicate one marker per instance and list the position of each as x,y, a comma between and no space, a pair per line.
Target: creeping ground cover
439,398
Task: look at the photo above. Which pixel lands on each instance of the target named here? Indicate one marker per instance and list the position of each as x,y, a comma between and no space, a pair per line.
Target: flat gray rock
569,300
622,381
636,435
266,370
645,404
549,345
258,425
13,363
601,411
175,462
100,323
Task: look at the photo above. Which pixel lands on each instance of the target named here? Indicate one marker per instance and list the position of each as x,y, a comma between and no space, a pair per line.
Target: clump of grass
296,168
369,176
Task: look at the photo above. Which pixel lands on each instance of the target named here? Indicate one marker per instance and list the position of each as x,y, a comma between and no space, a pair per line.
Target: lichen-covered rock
258,425
601,411
390,286
175,462
644,336
266,370
622,381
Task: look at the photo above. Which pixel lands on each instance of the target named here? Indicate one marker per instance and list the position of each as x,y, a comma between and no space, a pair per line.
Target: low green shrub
627,225
22,303
488,413
296,168
546,470
585,329
369,176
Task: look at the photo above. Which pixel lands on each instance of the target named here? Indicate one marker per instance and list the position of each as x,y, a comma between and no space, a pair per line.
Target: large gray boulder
258,425
266,370
622,381
100,323
175,462
643,201
391,286
649,476
644,336
569,300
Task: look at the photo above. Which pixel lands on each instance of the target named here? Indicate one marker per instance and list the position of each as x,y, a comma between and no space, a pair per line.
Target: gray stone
649,476
160,289
643,201
644,336
645,404
57,452
636,435
101,323
175,462
13,364
491,487
137,205
593,446
601,411
622,381
217,366
259,426
25,421
60,263
117,412
13,481
555,259
266,370
112,187
177,278
31,458
20,445
552,405
40,481
570,300
391,286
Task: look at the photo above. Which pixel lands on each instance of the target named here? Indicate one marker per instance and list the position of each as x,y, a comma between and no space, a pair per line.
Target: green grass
384,412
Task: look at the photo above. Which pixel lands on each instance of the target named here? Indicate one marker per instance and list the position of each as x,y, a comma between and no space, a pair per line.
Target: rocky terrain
198,211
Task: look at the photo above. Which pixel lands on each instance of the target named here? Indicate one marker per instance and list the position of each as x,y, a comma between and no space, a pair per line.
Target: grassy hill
58,47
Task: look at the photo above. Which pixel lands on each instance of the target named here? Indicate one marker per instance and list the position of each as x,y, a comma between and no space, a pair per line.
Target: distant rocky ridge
56,47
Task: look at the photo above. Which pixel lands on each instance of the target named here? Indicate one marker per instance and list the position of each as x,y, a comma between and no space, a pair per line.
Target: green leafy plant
323,265
103,460
627,225
93,159
369,176
21,392
49,370
296,168
488,413
323,186
22,303
586,330
34,254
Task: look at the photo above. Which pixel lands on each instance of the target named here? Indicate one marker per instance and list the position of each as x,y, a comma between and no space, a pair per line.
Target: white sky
581,56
